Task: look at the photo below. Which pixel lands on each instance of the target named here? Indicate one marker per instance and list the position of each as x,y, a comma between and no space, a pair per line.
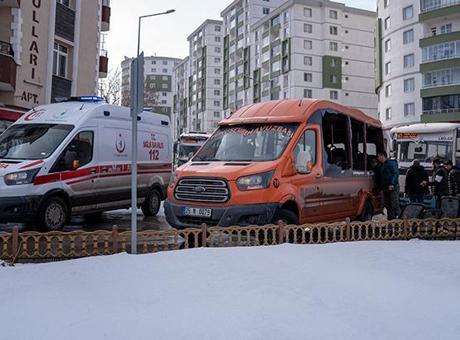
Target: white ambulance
74,158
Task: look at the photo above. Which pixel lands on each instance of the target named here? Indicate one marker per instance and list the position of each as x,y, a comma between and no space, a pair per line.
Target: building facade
181,107
159,83
238,43
50,50
418,61
315,49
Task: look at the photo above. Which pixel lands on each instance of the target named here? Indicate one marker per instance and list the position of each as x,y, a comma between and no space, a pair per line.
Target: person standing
416,182
439,182
390,184
453,179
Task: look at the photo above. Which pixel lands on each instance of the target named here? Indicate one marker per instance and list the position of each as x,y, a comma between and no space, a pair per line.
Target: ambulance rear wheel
53,214
152,204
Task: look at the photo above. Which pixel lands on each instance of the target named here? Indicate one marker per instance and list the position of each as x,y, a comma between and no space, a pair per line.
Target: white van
74,158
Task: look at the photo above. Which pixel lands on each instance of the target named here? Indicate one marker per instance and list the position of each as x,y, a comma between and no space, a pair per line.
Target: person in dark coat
390,185
416,182
453,179
439,181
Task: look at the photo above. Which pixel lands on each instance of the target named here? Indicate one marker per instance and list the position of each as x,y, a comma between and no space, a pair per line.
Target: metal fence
53,246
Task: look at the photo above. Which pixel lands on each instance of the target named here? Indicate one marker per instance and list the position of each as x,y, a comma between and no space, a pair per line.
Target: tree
110,87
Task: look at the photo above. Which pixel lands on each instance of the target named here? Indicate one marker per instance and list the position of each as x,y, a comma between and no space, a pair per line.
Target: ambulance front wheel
53,214
152,203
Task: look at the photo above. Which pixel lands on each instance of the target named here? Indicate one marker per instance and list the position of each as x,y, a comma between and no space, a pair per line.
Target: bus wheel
152,203
367,214
53,214
285,216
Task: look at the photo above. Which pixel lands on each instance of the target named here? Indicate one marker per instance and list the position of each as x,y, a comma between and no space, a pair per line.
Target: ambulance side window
77,154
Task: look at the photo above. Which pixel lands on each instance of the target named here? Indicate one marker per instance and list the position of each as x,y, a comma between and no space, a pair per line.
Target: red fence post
280,232
204,235
14,242
114,239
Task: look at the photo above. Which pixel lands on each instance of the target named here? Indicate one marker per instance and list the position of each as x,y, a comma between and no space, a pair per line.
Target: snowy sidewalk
360,290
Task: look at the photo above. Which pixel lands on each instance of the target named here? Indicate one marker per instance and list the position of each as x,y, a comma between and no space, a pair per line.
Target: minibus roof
292,111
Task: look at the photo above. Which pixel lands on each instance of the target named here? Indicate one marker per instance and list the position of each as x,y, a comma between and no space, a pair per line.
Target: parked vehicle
425,142
8,117
298,161
187,145
73,158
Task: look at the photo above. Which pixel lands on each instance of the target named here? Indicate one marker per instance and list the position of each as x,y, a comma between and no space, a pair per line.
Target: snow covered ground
361,290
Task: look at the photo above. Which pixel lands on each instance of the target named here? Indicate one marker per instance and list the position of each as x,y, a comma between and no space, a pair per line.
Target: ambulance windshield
32,141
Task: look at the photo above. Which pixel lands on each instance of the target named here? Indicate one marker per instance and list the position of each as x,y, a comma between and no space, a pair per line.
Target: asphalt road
119,218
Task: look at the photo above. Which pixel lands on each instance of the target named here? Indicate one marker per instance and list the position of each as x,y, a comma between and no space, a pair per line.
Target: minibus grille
205,190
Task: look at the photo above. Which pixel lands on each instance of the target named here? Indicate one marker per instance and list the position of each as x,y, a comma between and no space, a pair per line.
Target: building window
307,28
333,15
216,102
388,91
446,29
217,49
333,79
308,77
333,30
388,68
164,94
217,60
409,61
307,12
60,58
307,44
165,62
388,45
386,3
307,93
387,23
388,113
265,10
164,86
154,62
408,12
165,70
408,36
308,61
409,109
217,92
164,78
409,85
334,95
217,71
64,2
217,39
217,28
216,81
164,102
333,46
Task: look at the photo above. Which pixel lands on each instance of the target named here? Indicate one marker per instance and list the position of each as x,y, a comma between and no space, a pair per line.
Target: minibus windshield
32,141
251,143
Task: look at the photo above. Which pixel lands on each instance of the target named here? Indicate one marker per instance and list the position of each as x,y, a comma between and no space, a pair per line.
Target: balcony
441,115
105,16
7,68
10,3
103,64
60,88
65,22
433,9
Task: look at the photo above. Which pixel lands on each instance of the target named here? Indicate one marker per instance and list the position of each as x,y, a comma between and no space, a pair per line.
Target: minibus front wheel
286,217
53,214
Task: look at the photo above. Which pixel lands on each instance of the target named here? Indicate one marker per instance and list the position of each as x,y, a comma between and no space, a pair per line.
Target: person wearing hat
416,182
453,179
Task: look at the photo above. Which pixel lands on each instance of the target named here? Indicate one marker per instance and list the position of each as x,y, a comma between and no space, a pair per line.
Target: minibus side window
77,154
336,143
305,152
357,145
375,144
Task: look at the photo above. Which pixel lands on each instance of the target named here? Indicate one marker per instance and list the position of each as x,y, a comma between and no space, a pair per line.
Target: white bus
187,145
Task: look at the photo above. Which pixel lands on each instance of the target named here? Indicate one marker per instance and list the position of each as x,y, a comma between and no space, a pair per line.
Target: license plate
198,212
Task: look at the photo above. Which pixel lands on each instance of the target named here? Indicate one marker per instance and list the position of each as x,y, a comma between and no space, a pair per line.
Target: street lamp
135,111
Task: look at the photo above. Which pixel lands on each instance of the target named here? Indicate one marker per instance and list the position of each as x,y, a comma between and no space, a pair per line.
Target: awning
10,115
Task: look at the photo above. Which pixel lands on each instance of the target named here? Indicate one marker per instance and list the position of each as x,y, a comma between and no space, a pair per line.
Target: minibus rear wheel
53,214
152,203
286,216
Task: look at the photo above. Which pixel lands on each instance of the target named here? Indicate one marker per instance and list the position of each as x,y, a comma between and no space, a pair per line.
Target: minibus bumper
235,215
19,209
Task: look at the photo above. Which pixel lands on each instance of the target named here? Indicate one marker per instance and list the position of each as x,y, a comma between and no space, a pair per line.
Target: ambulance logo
120,144
34,114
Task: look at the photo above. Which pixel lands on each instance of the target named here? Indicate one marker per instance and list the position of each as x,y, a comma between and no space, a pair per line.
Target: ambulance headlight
254,182
21,177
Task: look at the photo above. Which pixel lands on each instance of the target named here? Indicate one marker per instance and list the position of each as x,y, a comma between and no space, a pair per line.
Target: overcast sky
167,35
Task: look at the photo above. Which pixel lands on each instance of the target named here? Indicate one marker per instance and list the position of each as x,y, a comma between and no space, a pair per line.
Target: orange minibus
299,161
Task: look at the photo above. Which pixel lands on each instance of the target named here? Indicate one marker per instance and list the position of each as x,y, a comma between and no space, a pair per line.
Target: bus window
336,143
357,145
375,143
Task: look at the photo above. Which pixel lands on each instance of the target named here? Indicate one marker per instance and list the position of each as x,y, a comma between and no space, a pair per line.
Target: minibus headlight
21,177
254,182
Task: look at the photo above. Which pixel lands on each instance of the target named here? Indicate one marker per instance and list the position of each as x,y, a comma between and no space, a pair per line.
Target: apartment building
418,61
159,83
50,50
315,49
238,42
181,107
